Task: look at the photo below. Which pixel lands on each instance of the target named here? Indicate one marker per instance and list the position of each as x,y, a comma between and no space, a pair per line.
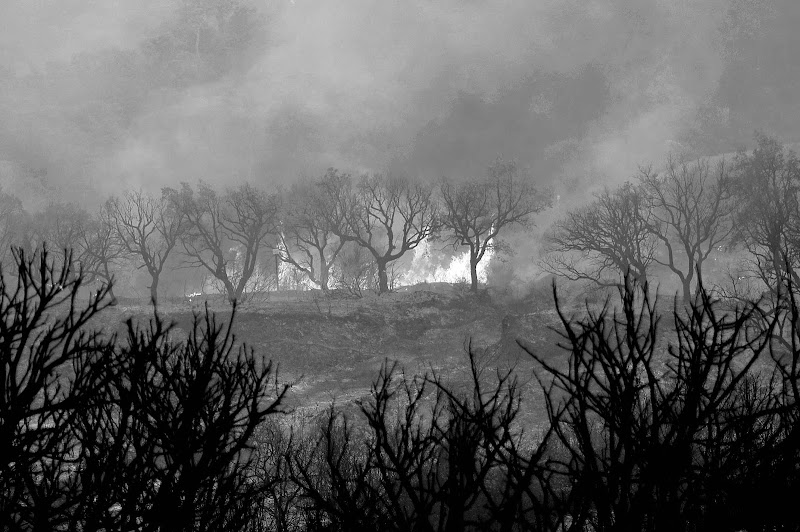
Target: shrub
694,426
147,433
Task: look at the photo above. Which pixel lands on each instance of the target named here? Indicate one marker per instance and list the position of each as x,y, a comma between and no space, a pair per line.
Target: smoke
108,95
444,87
33,34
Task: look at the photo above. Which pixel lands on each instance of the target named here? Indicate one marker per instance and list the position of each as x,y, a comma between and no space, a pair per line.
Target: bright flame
290,278
424,269
428,265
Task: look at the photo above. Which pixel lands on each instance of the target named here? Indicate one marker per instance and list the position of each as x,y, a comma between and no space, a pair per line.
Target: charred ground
333,347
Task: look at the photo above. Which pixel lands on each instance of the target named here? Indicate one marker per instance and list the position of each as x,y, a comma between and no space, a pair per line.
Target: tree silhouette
766,185
476,211
603,241
148,228
689,212
307,231
49,365
386,215
243,218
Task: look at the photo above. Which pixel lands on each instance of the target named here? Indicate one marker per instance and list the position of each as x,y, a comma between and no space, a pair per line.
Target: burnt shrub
141,433
649,428
170,446
688,431
50,360
423,454
690,426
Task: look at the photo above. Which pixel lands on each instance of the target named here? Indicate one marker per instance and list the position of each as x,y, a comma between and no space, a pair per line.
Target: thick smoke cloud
35,33
110,94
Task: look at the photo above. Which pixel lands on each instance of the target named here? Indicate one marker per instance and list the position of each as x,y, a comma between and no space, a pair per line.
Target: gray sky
109,93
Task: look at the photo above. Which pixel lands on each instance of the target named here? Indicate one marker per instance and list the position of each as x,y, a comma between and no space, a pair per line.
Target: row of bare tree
389,216
360,226
678,218
226,233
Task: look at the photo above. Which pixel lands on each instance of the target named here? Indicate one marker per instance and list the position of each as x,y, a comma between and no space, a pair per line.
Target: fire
289,277
425,268
428,265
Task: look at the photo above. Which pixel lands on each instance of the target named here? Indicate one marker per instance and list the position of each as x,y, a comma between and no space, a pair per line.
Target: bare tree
171,446
427,456
690,436
148,228
307,231
101,247
689,208
767,220
604,240
225,232
354,270
476,211
252,217
386,215
52,350
60,226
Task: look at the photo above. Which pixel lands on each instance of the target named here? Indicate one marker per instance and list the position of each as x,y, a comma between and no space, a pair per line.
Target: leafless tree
386,215
689,213
691,437
171,446
60,226
604,240
338,188
475,212
767,220
428,456
307,231
52,350
148,228
253,218
101,248
225,232
354,271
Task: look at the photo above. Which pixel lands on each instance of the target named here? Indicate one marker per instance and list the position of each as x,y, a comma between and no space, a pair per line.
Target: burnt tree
307,232
603,241
148,228
767,221
241,219
689,213
386,215
476,211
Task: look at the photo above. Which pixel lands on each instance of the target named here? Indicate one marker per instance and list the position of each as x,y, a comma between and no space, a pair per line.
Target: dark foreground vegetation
647,430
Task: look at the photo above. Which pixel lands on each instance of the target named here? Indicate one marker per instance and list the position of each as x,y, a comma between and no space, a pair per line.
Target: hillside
334,348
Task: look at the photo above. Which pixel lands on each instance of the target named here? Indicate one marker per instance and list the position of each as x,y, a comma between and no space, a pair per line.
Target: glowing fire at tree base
424,269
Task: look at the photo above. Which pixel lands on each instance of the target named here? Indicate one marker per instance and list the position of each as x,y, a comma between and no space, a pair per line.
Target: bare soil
333,348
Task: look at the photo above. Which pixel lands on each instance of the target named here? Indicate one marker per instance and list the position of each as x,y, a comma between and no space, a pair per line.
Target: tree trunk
154,291
778,267
687,290
473,271
113,298
639,274
383,279
110,282
234,293
323,278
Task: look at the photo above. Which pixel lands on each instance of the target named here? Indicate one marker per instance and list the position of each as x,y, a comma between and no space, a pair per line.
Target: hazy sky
107,93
